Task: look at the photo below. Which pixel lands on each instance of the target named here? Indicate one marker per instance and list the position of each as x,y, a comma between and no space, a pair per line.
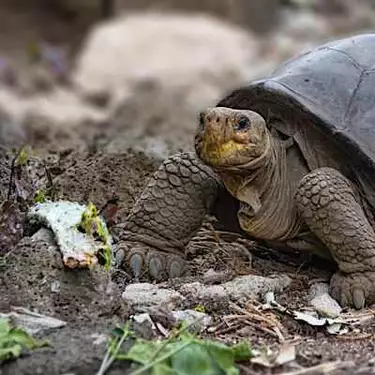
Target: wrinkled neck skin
267,209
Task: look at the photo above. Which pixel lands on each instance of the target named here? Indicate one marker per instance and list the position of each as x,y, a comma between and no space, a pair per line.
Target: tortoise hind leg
327,202
166,215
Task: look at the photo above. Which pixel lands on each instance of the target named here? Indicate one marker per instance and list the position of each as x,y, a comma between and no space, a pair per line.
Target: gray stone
32,322
243,287
144,296
198,319
254,286
201,291
44,234
214,277
322,302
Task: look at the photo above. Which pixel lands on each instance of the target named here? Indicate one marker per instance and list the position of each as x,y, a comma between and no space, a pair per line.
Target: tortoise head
228,137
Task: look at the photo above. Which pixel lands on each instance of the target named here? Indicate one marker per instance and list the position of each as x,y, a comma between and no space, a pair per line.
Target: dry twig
254,319
325,368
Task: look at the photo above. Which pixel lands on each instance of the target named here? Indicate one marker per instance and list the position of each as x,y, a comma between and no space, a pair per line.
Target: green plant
14,340
92,224
181,354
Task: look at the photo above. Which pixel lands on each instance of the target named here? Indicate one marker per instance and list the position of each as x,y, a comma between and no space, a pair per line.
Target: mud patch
101,177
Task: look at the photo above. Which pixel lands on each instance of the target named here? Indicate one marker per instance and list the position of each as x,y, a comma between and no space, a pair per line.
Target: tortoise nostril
217,119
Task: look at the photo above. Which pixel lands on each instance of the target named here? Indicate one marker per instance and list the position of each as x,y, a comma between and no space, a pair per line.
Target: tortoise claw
136,264
177,268
354,289
139,258
156,266
359,298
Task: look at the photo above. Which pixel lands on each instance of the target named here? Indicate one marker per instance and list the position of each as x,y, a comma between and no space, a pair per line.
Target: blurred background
114,74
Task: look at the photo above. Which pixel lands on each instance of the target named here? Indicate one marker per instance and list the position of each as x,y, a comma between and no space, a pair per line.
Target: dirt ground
90,302
90,312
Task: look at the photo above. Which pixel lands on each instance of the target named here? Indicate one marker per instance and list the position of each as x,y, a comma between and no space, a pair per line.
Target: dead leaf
270,359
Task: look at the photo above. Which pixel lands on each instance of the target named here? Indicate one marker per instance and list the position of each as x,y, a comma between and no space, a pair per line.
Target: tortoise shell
333,86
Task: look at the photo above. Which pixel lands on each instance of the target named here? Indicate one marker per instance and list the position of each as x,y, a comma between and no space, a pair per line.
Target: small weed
181,354
92,224
40,196
22,157
14,340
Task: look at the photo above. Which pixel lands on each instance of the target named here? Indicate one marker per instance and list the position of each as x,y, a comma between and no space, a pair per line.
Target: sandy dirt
90,301
31,265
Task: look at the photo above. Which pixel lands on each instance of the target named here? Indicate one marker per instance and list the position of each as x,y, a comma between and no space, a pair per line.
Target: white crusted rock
322,302
78,249
243,287
144,296
195,319
254,286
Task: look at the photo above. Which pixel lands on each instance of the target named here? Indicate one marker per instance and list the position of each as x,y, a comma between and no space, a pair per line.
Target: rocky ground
98,112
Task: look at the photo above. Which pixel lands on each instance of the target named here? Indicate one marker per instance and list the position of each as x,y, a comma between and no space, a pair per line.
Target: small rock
323,303
198,319
142,318
55,286
254,286
249,286
33,322
201,291
144,296
214,277
44,234
318,289
99,338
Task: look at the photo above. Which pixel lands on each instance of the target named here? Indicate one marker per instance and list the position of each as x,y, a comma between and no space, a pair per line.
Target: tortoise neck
267,209
255,171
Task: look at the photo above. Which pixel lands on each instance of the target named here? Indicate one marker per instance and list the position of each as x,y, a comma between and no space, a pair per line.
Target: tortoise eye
242,124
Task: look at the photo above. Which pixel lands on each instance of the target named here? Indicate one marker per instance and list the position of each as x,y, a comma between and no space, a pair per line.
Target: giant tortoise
289,159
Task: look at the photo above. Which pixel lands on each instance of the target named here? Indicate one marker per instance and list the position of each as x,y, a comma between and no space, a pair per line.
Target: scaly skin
166,215
328,204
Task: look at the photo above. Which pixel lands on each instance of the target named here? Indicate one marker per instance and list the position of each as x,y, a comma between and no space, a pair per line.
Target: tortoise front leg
327,202
166,215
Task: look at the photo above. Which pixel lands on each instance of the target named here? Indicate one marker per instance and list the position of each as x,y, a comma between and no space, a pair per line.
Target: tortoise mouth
229,153
233,155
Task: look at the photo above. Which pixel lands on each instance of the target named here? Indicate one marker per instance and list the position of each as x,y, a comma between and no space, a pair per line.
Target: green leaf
22,158
194,359
162,369
13,351
118,331
142,351
92,224
4,327
182,354
242,351
226,356
14,340
40,196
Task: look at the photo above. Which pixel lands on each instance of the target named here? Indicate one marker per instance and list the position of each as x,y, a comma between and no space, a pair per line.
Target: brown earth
90,302
33,264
